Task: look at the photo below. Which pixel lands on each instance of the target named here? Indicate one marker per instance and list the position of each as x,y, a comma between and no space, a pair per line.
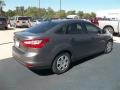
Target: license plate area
0,22
24,22
17,43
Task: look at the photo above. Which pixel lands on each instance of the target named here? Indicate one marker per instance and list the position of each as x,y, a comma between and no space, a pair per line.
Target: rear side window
75,28
41,28
91,28
62,29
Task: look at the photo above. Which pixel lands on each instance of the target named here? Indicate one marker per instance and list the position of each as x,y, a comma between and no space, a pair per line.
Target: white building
112,14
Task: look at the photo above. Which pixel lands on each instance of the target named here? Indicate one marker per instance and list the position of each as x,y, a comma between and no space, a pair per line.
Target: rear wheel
61,63
109,46
15,26
6,28
110,29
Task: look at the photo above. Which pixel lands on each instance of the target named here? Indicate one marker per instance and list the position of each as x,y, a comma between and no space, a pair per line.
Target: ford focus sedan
56,44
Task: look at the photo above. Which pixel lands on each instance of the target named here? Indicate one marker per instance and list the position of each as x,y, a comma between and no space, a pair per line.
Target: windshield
2,19
23,18
41,28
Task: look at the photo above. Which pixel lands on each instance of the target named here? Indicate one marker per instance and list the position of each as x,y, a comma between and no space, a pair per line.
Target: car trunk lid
22,36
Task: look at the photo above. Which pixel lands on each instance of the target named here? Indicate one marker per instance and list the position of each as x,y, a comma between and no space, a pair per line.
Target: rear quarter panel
59,43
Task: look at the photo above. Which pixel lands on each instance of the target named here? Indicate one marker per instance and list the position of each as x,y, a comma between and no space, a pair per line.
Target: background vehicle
55,44
107,24
36,21
20,21
3,23
72,17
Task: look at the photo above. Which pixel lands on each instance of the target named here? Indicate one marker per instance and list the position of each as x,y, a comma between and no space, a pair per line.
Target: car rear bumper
31,60
3,26
22,25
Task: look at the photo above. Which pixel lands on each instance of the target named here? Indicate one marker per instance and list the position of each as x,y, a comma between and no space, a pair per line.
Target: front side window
91,28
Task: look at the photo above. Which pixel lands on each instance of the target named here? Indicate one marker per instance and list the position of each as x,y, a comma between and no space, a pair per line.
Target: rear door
98,42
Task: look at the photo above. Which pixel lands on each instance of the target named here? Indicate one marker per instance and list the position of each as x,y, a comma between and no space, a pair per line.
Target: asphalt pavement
99,72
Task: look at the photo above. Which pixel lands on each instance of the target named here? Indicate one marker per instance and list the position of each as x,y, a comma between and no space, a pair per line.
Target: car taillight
17,21
35,43
29,65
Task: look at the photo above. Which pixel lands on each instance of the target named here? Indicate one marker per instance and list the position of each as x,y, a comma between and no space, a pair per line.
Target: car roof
20,16
67,20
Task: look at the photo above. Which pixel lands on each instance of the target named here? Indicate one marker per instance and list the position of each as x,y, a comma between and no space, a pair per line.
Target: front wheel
6,28
61,63
109,46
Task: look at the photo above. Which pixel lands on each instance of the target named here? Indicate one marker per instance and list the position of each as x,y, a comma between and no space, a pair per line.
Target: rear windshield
2,19
41,28
23,18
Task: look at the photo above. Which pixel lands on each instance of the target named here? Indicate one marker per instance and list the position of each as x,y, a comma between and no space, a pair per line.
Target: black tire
15,26
118,34
6,28
109,47
110,29
56,66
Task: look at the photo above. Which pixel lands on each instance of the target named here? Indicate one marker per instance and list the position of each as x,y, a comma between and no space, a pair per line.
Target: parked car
56,44
72,17
113,26
3,23
36,21
20,21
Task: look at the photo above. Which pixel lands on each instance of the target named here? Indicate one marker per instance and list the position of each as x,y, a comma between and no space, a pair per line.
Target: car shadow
42,72
83,60
47,72
116,35
7,29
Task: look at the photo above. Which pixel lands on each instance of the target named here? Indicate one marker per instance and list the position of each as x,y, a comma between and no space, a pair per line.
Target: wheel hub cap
62,63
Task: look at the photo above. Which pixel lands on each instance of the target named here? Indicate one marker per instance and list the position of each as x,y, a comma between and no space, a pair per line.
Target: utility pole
60,8
39,7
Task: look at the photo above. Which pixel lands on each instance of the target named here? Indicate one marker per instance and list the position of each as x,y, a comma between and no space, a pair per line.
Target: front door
98,42
80,40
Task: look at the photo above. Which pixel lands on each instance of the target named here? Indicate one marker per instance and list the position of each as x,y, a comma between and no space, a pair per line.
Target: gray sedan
56,44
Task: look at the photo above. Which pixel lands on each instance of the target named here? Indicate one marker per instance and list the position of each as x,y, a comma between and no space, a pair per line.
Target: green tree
93,15
50,12
60,14
42,12
80,14
20,10
72,12
10,13
87,15
46,13
32,12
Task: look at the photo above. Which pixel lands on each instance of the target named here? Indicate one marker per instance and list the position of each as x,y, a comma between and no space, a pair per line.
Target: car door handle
98,34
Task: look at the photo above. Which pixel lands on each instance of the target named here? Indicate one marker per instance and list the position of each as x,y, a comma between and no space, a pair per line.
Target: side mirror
103,31
100,31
